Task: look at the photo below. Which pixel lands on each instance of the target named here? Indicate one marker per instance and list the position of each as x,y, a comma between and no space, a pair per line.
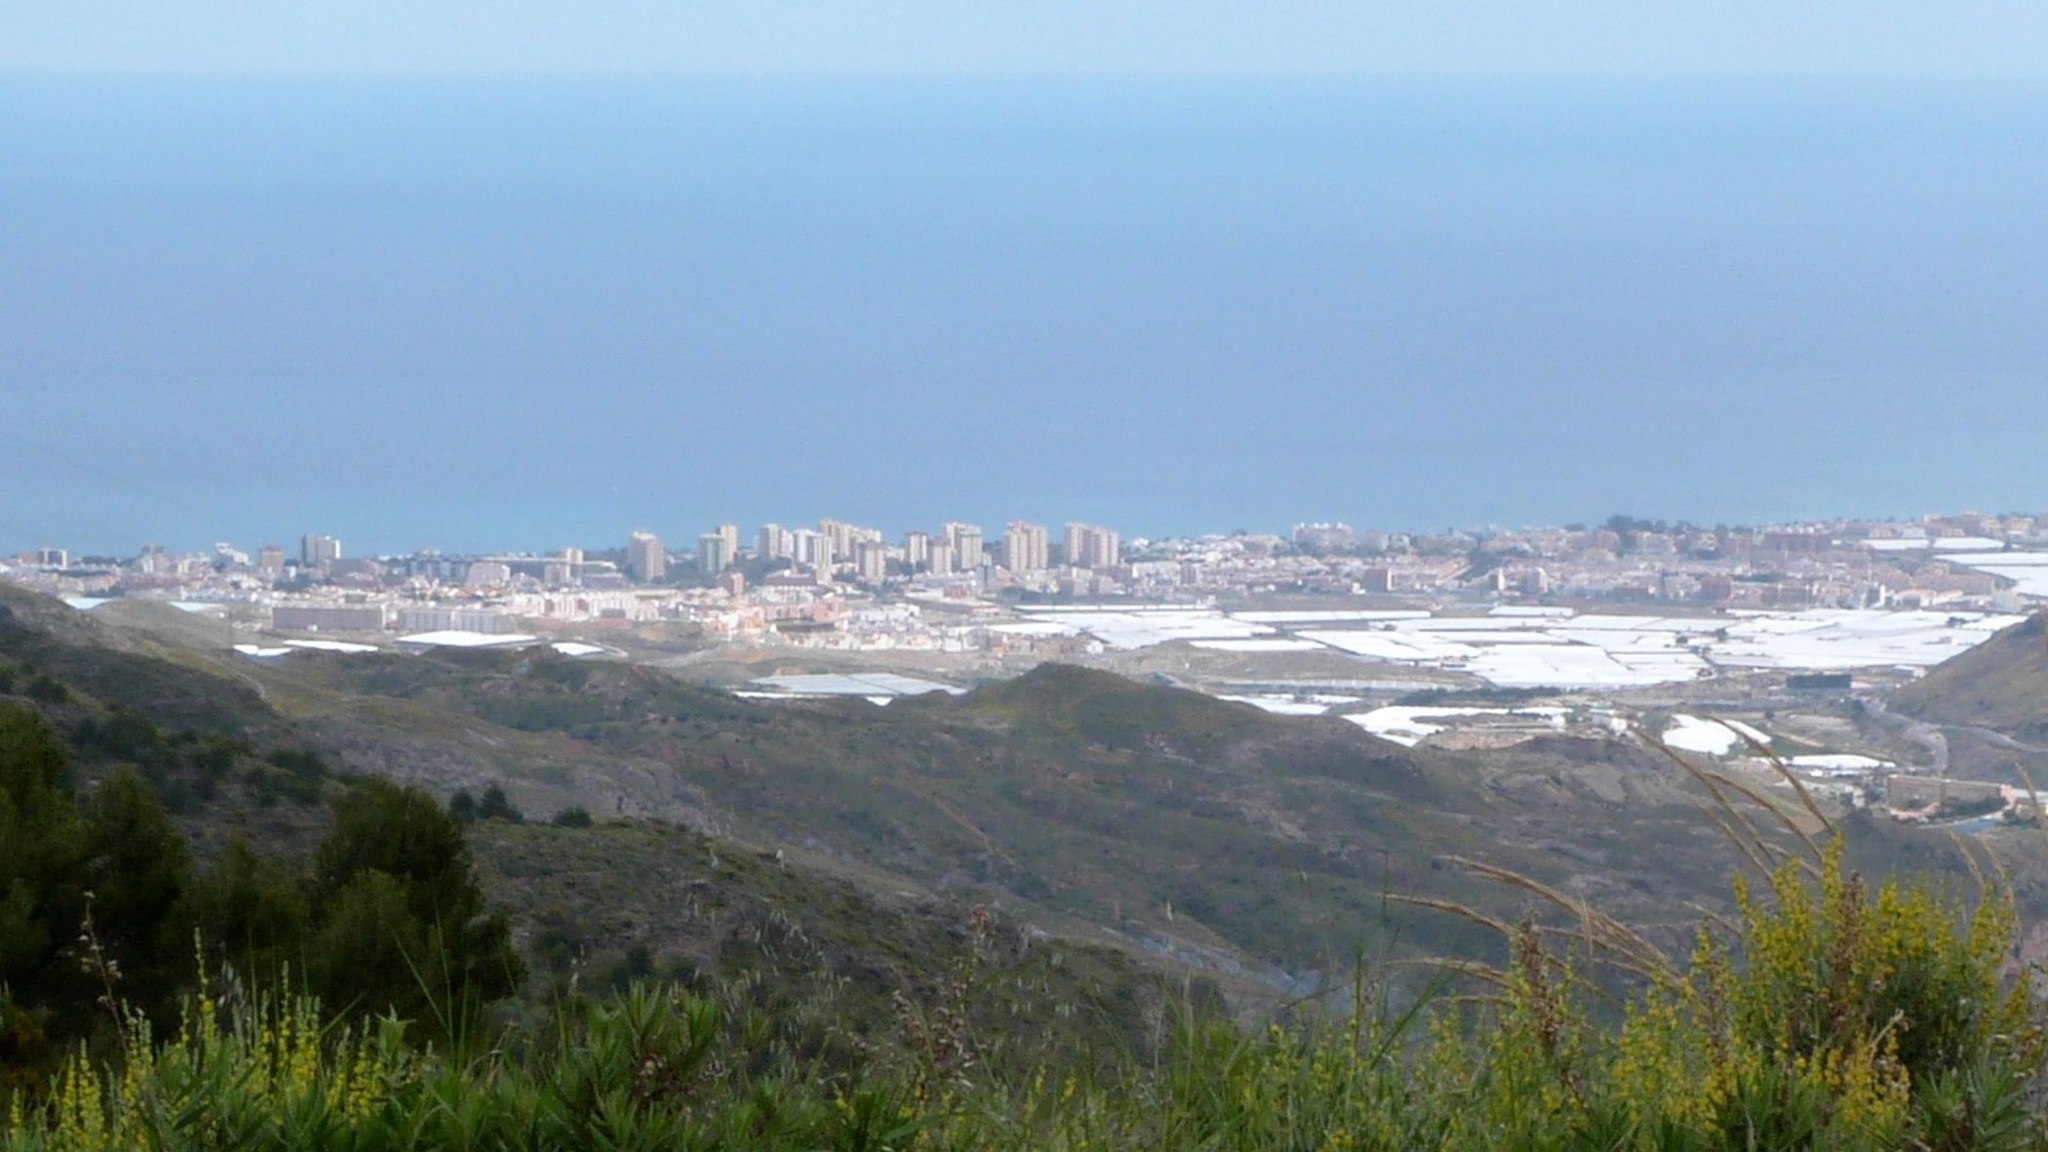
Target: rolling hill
2001,684
1131,813
829,955
1265,851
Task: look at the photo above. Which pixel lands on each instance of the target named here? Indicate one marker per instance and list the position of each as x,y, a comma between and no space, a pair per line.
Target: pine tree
402,921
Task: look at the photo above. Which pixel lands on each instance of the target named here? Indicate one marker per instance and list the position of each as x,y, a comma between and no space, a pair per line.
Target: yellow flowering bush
1827,1015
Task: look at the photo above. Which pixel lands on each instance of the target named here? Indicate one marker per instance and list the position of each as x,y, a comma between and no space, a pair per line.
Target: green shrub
44,689
403,920
1827,1014
115,862
299,763
495,806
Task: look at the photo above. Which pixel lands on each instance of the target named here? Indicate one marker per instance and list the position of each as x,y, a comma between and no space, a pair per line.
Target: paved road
2000,739
1934,736
1928,736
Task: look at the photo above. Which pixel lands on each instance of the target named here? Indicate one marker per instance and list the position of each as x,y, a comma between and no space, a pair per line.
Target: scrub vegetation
1826,1016
309,959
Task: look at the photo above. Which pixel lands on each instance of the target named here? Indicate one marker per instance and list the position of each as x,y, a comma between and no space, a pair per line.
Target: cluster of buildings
1969,561
839,583
1025,554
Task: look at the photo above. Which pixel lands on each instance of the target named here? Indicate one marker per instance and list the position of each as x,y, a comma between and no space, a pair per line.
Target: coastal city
1721,639
1624,604
1031,591
890,576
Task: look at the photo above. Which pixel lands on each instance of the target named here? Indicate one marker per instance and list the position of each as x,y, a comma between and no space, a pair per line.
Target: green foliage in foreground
1827,1017
388,916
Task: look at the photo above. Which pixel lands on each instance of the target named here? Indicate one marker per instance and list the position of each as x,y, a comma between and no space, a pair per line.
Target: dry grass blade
2000,887
1715,918
1998,869
1770,804
1785,770
1969,859
1756,859
1454,908
1706,781
1750,840
2032,795
1606,956
1603,932
1507,932
1473,968
1472,1000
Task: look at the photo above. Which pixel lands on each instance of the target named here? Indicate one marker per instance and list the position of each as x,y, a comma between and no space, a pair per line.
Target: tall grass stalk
1837,1016
1824,1014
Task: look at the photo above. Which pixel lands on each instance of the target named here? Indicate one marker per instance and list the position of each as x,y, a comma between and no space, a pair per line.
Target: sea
529,314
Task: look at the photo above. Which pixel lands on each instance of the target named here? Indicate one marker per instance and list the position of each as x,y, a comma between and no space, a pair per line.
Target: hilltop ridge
2001,684
1133,815
594,902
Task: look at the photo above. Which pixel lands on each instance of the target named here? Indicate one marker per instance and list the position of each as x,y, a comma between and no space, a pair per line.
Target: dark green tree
401,919
253,913
496,806
139,871
372,952
41,901
46,690
120,859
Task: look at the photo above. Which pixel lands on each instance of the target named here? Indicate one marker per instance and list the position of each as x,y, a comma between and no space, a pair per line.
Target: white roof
859,684
456,638
330,646
1951,543
578,648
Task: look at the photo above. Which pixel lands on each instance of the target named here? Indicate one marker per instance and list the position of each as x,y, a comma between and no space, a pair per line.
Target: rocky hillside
2001,684
1268,852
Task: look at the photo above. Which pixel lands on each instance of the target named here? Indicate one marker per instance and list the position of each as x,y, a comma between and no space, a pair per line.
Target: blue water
497,316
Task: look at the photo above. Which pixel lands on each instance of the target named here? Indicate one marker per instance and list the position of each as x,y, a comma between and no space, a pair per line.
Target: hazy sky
1643,38
404,273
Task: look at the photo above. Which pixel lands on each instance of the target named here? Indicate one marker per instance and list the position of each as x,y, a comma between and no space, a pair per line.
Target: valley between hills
1165,835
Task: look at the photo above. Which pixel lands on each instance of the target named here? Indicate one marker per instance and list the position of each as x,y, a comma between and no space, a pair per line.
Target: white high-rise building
316,551
1026,547
1091,547
841,536
646,558
917,550
1105,548
1073,542
871,561
965,540
801,542
715,552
